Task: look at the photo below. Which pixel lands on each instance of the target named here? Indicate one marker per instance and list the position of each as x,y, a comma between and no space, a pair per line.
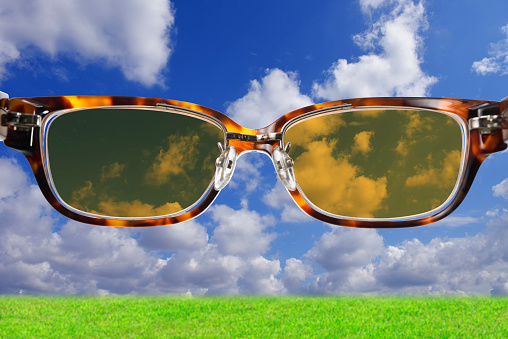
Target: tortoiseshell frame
478,148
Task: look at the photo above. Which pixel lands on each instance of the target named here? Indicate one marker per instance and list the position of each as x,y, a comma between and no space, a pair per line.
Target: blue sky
254,60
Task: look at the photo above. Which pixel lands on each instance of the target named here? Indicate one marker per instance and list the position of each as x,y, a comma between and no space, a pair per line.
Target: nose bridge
258,141
236,144
266,142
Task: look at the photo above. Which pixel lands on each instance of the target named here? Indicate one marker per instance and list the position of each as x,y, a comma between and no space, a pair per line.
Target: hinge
20,121
487,118
254,137
488,124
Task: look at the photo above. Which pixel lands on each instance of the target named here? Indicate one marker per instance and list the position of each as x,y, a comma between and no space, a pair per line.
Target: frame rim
48,119
464,151
479,147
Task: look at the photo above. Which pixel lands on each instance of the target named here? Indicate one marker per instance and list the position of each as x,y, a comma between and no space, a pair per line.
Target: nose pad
225,166
284,167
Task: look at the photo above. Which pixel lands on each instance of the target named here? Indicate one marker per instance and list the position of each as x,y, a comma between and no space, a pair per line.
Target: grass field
255,317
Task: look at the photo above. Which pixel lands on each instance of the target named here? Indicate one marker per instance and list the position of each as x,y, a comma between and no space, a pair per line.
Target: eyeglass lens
377,163
131,162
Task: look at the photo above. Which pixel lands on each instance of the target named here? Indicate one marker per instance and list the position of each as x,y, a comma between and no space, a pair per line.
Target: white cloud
232,262
278,197
208,271
456,221
486,65
343,248
248,176
500,288
396,70
457,265
240,232
370,4
9,168
498,62
132,35
184,236
38,257
493,213
77,259
295,273
201,271
260,278
472,264
501,189
278,93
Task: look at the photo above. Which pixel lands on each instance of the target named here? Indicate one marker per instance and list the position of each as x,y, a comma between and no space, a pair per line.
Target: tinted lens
131,162
377,163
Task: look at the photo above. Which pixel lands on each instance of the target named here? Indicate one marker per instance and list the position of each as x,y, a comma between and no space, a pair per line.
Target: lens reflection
131,162
377,163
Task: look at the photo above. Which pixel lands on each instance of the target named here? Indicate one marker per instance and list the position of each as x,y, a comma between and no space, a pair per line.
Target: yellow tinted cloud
81,194
444,176
362,142
403,146
414,131
335,185
83,199
136,208
112,171
417,124
178,158
369,113
314,129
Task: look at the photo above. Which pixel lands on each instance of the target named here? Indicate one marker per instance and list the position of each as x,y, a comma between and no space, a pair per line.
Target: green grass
255,317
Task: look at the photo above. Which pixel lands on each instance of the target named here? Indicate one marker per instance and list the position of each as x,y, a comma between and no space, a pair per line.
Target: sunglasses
369,162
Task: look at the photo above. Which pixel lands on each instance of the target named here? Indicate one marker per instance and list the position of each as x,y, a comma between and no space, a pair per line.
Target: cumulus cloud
346,255
209,272
498,60
278,93
248,176
295,274
396,69
10,169
457,265
500,289
278,197
260,278
241,232
501,189
486,66
41,254
368,5
343,248
185,236
231,262
35,258
133,35
457,221
359,263
392,67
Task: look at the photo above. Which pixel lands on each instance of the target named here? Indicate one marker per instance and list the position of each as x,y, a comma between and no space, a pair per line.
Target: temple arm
4,99
504,113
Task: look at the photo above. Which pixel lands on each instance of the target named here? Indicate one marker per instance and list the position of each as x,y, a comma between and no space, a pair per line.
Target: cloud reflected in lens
102,169
334,184
377,164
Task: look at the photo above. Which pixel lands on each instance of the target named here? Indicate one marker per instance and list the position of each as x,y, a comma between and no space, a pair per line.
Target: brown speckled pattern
480,146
